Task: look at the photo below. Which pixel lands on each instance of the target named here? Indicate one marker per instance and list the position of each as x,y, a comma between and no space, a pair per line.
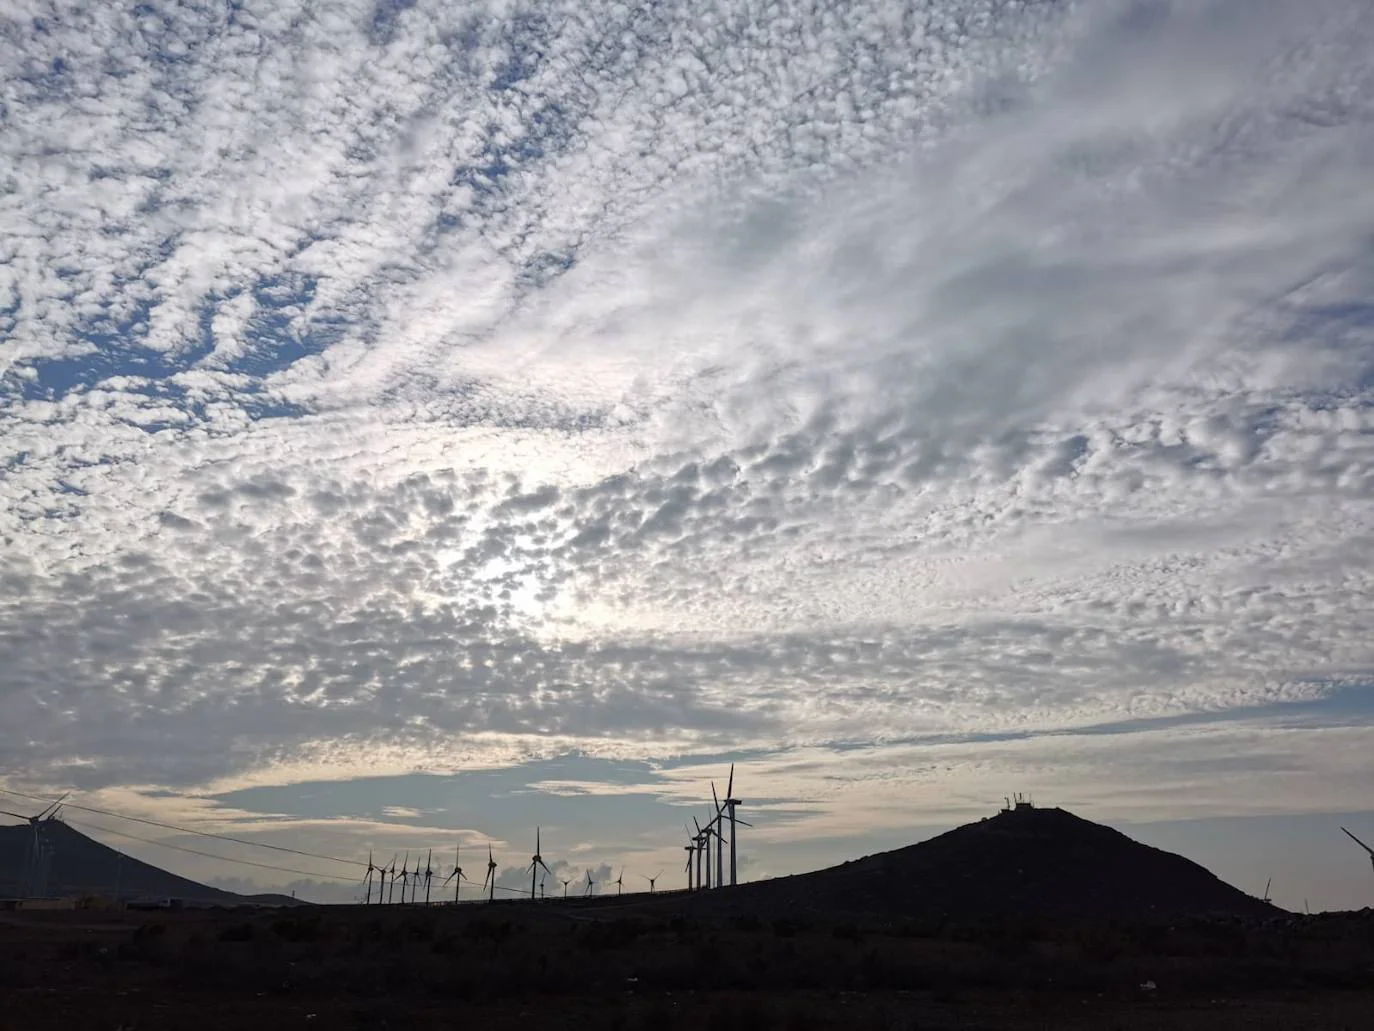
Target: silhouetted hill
1019,864
83,866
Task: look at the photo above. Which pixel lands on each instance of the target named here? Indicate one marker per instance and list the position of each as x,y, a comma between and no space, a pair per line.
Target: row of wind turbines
698,845
380,882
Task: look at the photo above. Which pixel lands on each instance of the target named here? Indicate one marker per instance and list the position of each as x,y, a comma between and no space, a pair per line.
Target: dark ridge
1023,863
81,866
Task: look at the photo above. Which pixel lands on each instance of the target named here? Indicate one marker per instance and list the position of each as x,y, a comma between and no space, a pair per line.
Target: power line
206,834
193,851
187,830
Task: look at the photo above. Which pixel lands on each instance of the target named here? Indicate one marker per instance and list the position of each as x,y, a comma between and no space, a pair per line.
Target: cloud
449,388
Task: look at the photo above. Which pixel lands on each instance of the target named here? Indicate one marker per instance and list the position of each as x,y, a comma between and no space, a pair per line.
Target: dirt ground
554,966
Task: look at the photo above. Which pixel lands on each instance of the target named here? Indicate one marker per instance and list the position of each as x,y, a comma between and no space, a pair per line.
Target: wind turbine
405,877
619,882
690,848
491,875
717,822
367,879
703,840
566,882
1362,845
729,806
381,886
652,880
591,884
37,882
429,873
456,876
536,863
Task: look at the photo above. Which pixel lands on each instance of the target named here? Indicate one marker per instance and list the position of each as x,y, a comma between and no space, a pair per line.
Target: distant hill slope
1022,863
81,865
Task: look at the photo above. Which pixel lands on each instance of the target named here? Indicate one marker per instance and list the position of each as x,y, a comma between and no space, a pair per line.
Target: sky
421,421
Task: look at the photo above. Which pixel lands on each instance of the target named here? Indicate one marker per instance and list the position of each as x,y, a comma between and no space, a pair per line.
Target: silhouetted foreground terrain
80,865
1025,862
1030,919
613,966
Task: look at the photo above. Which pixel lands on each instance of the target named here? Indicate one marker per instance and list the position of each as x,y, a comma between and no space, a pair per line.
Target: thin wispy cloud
408,386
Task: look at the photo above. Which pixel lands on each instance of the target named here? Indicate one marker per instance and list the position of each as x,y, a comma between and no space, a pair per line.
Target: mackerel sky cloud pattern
397,385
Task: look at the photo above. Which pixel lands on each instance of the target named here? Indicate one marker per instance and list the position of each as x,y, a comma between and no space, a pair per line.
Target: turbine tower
384,872
1362,845
536,863
690,848
429,873
367,879
652,880
491,875
729,806
718,822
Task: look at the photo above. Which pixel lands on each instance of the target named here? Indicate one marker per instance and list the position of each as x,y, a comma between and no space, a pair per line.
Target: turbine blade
730,787
1359,842
17,816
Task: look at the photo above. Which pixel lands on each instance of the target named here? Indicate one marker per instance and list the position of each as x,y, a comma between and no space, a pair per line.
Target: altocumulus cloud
466,383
